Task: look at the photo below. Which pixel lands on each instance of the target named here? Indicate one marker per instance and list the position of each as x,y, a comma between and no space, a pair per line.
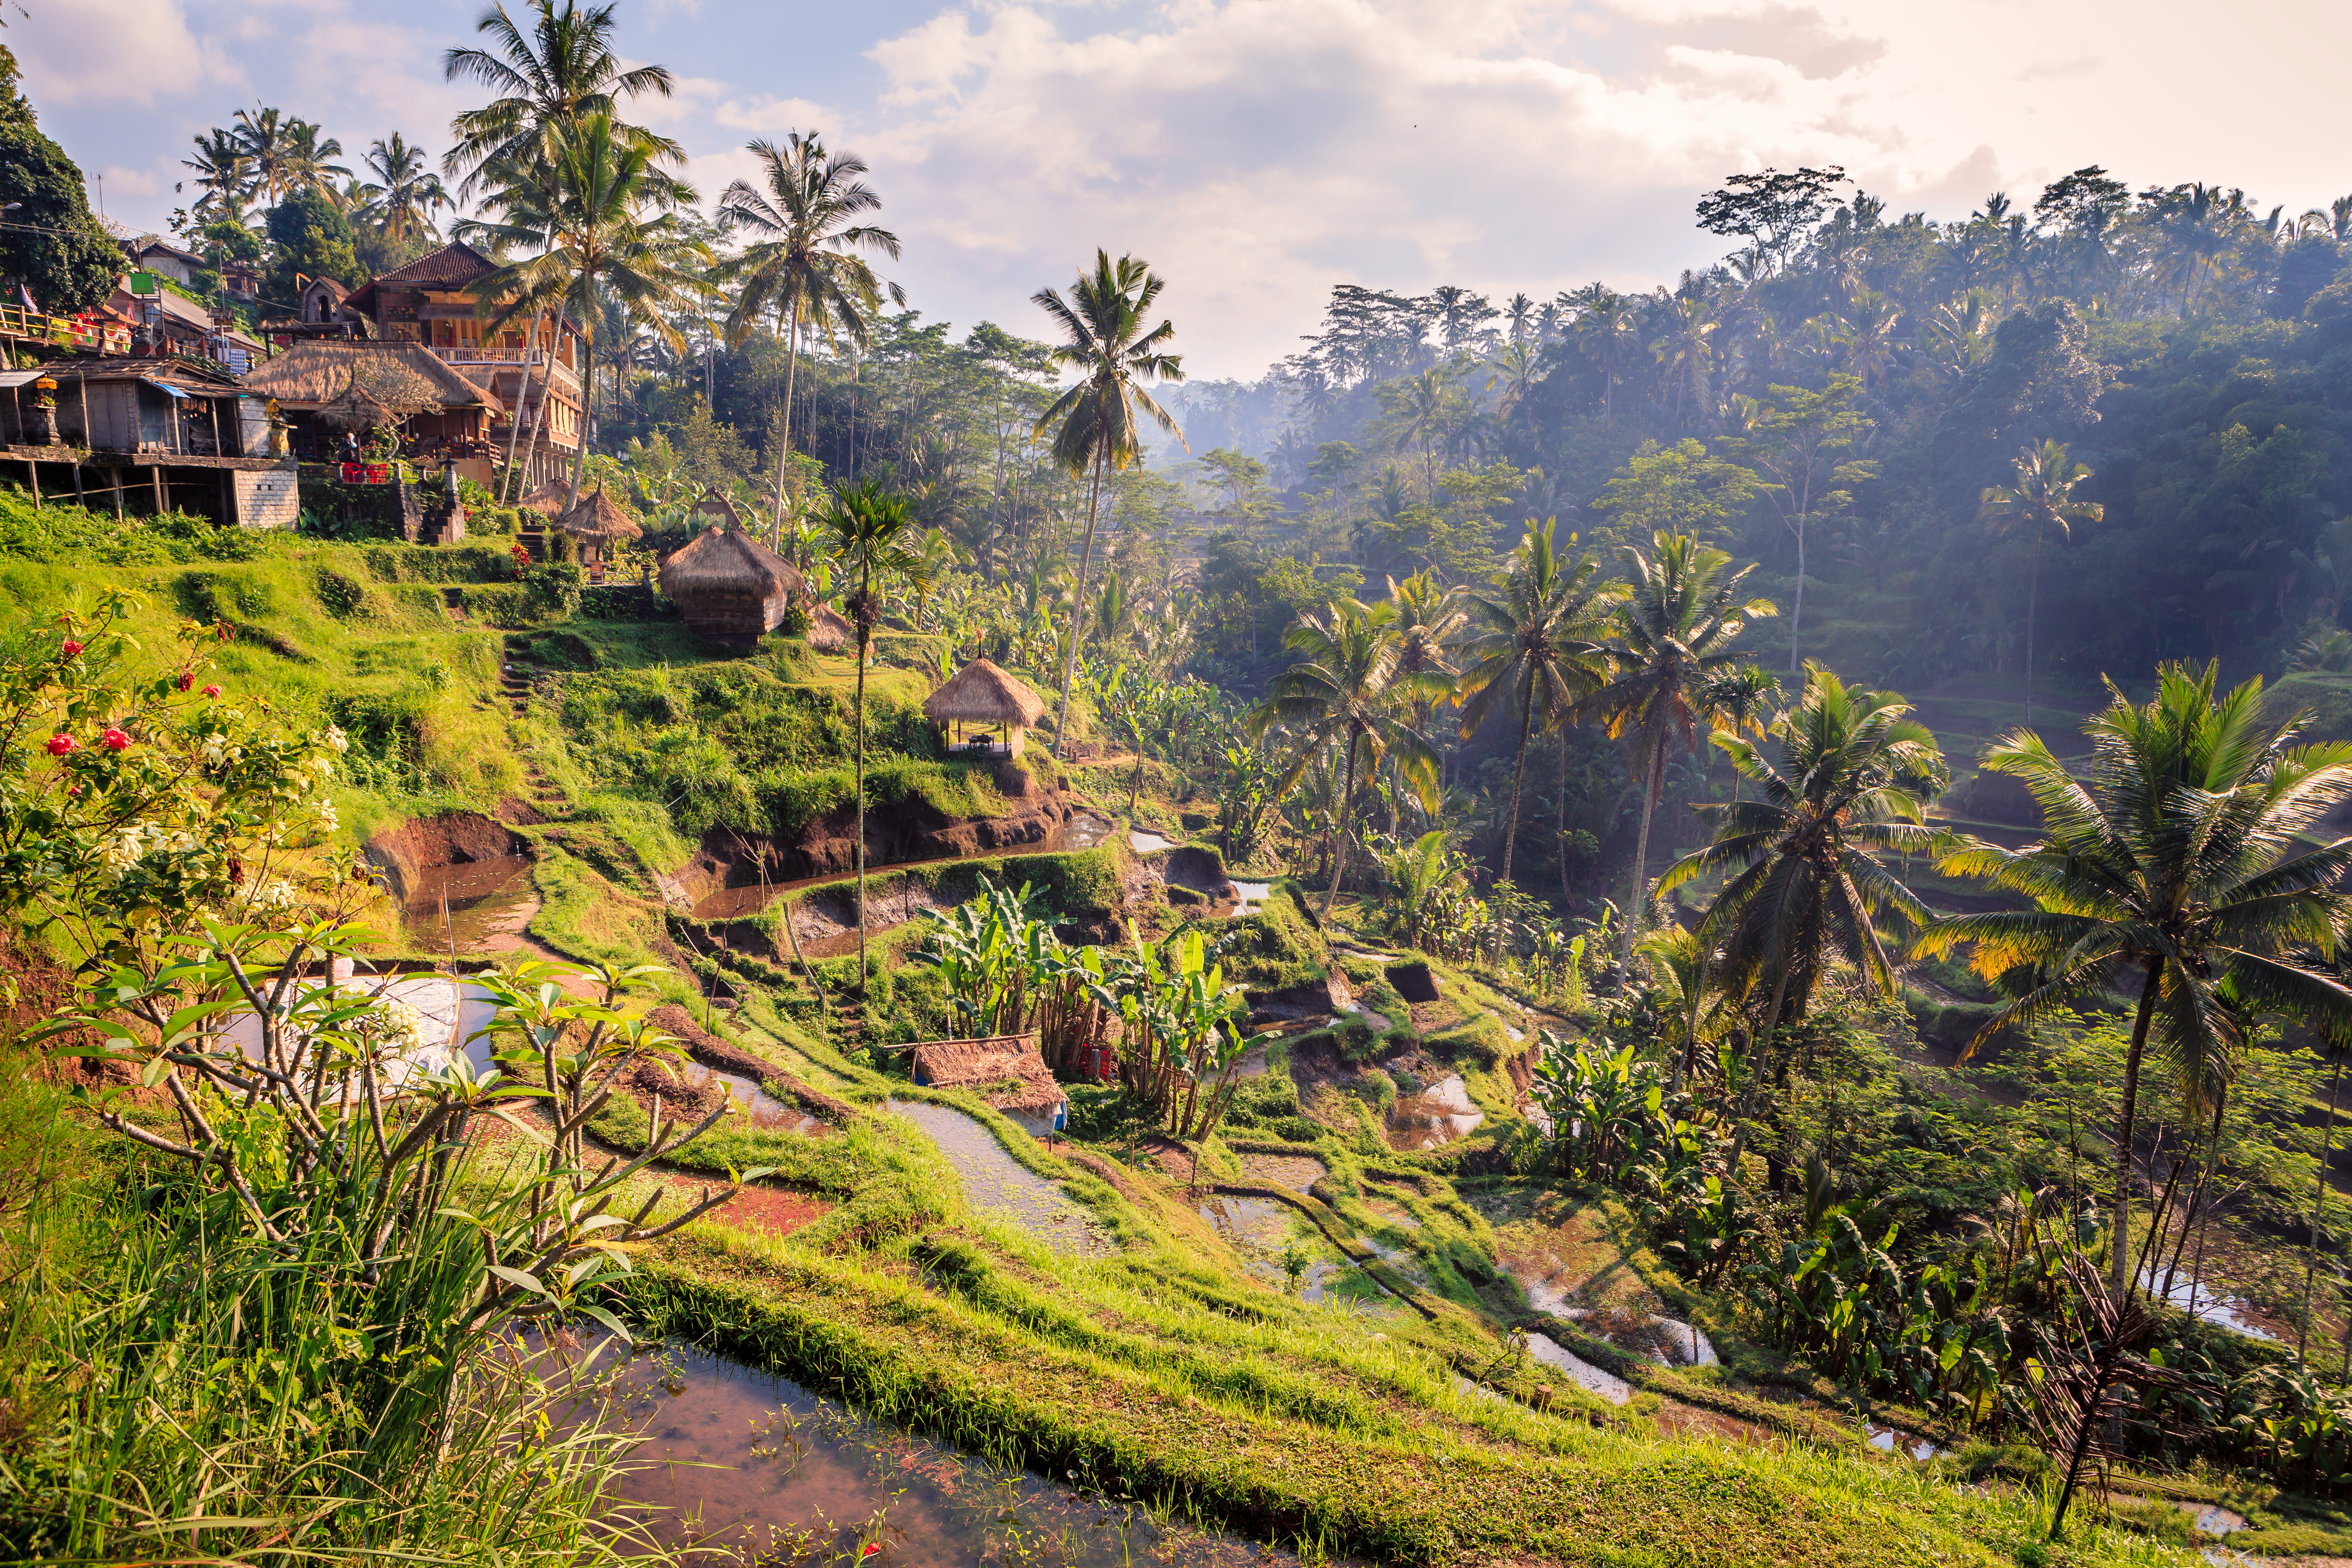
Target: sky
1258,152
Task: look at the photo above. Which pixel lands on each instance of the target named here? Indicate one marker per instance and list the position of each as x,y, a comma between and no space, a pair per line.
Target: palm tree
1344,693
803,269
1427,408
584,206
2039,505
1854,776
224,175
565,70
305,163
1537,648
1739,699
872,531
2170,861
1105,340
286,155
1675,641
405,192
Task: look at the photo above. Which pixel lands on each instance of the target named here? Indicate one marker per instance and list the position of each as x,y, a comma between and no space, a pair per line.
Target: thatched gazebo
731,588
597,520
830,631
982,694
546,501
1006,1071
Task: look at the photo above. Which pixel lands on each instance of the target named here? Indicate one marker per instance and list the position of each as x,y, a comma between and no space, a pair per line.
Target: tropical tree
1095,425
1538,647
286,155
1808,887
399,201
2170,862
1344,693
2039,505
1740,701
803,268
1802,447
224,176
1675,640
873,532
563,71
586,208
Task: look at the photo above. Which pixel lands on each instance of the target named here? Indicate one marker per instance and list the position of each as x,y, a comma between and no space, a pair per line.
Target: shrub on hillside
54,531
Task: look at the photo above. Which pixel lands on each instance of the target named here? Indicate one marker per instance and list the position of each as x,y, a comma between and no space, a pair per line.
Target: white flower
272,893
327,820
402,1028
335,740
216,751
325,766
123,848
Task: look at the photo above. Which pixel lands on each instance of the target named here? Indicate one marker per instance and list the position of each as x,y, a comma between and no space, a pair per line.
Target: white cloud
116,51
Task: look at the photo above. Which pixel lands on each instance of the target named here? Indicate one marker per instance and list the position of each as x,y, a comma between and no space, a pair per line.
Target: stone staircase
534,541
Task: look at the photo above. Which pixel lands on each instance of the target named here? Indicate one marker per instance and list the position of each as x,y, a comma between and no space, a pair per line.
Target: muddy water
1437,1115
1888,1440
1261,1230
999,1186
1250,896
1581,1372
2212,1309
1145,843
1085,831
744,1464
1082,831
487,902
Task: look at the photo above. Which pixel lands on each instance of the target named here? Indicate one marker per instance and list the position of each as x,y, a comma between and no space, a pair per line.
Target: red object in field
366,474
60,744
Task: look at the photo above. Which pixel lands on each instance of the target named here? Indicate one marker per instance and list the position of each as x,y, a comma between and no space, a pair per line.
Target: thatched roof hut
984,695
546,501
830,631
310,375
597,519
1005,1071
731,588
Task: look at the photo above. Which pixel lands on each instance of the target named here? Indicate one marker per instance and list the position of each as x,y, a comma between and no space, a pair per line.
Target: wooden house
454,422
731,588
145,435
1006,1073
982,696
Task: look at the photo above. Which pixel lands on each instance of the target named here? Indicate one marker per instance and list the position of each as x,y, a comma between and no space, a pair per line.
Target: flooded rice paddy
1437,1115
1147,843
740,1465
477,906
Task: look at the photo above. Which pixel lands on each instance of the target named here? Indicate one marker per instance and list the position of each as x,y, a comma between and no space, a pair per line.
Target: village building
146,434
984,697
442,416
1006,1073
730,587
151,255
595,523
164,323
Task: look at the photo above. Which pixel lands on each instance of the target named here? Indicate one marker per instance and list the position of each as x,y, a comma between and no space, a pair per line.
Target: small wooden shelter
597,521
1005,1070
546,501
830,631
731,588
982,694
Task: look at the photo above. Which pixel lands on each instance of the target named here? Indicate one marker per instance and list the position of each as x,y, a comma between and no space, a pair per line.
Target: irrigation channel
740,1464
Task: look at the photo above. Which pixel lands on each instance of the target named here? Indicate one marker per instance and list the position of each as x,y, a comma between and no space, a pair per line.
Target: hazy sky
1258,150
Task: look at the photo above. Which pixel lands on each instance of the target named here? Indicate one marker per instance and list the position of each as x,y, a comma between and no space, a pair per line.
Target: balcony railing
16,321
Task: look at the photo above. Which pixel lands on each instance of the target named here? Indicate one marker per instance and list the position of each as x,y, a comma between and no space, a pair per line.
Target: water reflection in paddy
745,1465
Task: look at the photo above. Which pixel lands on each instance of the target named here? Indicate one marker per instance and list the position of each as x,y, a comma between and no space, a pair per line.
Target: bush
552,592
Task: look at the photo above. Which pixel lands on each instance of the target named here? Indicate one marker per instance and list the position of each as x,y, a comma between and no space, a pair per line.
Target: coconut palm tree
803,268
1675,641
1854,777
2041,503
286,155
402,197
224,176
1095,425
1428,616
562,71
1740,702
872,532
1538,647
584,208
1344,693
2169,863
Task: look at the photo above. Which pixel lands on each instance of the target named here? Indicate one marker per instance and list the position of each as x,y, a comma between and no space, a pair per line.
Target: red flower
73,789
870,1548
70,648
212,691
187,679
115,741
60,744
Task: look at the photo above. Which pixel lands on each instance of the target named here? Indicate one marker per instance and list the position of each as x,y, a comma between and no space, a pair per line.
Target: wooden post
81,390
80,500
118,492
162,506
33,467
218,451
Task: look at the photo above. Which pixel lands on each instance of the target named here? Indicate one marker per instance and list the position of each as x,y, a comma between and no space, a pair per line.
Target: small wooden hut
830,631
1006,1071
980,694
731,588
546,501
597,520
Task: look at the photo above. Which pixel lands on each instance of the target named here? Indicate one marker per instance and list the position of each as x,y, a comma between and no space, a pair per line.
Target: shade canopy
598,519
982,693
729,561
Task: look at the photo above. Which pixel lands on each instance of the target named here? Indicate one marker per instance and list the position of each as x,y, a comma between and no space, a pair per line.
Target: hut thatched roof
547,499
312,373
829,630
598,518
357,410
1006,1071
727,561
980,693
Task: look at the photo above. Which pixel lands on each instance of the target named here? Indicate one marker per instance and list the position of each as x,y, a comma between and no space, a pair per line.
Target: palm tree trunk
546,394
587,405
2318,1205
864,586
1339,827
2118,1249
1511,827
2032,597
1078,610
784,447
514,430
1560,820
1797,618
1636,898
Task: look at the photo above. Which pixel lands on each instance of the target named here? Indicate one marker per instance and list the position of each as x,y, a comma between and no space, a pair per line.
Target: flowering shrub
131,810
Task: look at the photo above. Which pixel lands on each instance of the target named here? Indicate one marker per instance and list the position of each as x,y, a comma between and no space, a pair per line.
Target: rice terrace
718,844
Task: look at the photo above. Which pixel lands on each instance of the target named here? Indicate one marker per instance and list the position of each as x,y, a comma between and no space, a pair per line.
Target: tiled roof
453,263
